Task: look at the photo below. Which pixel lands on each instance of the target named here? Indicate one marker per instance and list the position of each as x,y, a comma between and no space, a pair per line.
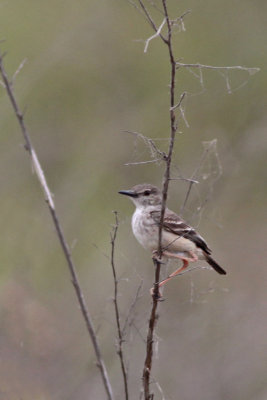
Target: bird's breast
145,229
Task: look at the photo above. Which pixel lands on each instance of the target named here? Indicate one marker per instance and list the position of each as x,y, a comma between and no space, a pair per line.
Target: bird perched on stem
179,240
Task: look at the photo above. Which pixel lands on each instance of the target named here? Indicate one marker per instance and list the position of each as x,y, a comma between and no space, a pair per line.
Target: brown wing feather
173,223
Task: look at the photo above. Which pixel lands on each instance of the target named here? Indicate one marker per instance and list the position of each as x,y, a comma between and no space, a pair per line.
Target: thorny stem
173,128
59,231
119,329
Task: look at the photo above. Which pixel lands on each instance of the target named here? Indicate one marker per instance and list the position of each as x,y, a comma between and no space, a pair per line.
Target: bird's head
144,195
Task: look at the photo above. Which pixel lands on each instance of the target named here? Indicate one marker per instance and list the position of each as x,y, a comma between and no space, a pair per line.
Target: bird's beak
130,193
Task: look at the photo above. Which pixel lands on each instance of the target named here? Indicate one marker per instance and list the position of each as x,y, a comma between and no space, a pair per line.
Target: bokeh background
86,81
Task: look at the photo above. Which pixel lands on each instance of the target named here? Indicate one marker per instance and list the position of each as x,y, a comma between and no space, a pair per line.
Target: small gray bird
179,240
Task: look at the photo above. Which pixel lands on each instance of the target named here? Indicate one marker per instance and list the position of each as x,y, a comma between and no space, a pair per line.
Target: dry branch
154,36
150,19
113,237
48,197
173,128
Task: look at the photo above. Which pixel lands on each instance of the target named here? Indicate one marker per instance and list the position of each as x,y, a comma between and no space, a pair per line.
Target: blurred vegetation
85,82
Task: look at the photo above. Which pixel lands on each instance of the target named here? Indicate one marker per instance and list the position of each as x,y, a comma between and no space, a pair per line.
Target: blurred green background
85,82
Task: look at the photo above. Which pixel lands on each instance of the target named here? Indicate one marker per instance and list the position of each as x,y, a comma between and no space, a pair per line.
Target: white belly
145,230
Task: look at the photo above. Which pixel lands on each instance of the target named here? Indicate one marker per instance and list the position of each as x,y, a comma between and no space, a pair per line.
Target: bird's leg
193,257
177,272
172,275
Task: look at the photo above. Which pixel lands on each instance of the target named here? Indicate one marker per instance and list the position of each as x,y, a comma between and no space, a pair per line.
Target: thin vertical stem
166,178
117,313
59,231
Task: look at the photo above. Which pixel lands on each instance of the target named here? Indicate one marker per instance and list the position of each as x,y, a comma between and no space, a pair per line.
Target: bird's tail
214,265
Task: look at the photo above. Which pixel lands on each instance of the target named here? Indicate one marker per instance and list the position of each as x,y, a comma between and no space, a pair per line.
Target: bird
179,240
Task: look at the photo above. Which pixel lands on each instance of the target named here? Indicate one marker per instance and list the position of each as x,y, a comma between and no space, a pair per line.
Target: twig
179,102
154,36
173,128
48,197
18,70
113,236
176,21
150,334
143,162
182,111
184,179
150,20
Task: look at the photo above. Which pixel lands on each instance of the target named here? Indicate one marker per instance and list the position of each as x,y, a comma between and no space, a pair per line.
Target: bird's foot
155,257
157,296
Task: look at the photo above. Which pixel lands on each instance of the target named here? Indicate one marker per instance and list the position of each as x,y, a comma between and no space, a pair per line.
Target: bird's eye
147,192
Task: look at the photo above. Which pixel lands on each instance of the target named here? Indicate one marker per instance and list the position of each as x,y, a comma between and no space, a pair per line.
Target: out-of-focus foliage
85,82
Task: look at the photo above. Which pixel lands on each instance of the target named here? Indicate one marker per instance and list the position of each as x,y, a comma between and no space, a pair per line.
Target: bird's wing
174,224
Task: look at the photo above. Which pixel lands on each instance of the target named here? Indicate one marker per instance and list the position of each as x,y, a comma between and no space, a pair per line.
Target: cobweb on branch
145,150
201,184
228,73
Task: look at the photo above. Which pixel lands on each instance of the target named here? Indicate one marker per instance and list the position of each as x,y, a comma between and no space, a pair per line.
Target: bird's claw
156,258
158,297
